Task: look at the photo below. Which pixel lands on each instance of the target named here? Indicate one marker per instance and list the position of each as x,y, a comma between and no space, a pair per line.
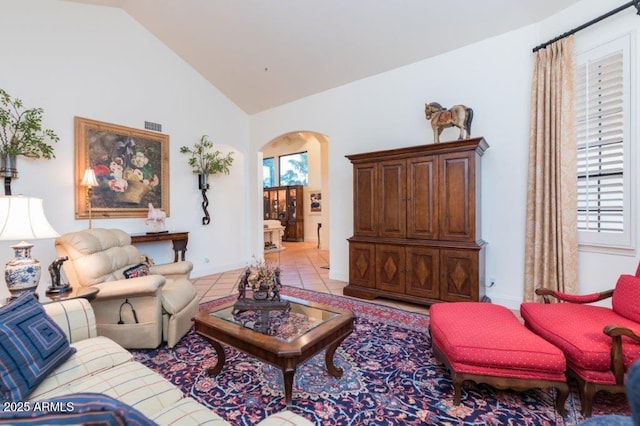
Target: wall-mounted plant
204,161
21,133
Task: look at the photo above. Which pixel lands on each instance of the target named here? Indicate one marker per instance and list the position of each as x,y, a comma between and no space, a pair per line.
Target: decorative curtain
551,246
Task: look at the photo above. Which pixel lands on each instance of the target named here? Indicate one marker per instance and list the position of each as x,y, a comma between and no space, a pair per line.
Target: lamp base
22,273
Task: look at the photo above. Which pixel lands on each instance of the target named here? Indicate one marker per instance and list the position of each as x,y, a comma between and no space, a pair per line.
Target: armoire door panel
362,266
390,268
423,273
456,199
459,275
392,199
364,199
422,198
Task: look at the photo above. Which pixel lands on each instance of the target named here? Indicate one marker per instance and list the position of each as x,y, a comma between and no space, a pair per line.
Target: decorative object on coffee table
459,116
21,133
259,290
205,163
23,218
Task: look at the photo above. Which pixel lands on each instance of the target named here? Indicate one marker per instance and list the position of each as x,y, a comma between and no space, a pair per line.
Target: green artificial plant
203,161
21,131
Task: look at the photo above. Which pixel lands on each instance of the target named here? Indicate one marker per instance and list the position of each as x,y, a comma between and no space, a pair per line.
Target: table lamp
89,180
23,218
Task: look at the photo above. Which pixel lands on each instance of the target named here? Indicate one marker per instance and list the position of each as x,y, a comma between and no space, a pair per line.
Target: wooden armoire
416,226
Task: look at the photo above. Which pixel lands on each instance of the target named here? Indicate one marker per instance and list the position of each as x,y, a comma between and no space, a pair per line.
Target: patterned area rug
390,378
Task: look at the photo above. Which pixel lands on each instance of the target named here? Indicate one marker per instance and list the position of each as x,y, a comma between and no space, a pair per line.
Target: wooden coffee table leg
212,371
288,385
328,359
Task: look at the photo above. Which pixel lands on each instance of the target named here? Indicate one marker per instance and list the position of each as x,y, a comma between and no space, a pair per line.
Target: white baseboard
210,270
509,302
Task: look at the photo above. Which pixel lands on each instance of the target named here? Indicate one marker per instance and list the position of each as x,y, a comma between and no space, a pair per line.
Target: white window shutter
602,111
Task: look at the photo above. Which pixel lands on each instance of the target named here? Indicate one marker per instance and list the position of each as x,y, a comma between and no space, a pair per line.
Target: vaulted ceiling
265,53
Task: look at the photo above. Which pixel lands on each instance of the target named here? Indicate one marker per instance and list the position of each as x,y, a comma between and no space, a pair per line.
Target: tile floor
302,264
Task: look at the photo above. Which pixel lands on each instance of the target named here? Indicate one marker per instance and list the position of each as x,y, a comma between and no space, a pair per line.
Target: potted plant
206,162
21,133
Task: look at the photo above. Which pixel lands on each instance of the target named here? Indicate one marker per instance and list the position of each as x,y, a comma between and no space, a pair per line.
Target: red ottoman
486,343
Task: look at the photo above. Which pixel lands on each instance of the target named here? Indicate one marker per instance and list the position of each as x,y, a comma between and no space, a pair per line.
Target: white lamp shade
89,178
22,218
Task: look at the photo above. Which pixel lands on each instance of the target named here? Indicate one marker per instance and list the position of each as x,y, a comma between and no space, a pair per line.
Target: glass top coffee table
286,340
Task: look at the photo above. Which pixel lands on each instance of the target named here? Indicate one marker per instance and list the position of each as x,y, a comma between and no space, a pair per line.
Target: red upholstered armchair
599,343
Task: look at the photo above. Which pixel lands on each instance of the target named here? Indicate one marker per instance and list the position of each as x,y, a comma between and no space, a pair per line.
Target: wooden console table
179,240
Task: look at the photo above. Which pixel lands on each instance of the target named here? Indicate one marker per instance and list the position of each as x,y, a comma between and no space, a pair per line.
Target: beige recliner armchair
137,312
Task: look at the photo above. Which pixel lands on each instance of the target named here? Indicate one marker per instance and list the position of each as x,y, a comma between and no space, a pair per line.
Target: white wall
386,111
97,62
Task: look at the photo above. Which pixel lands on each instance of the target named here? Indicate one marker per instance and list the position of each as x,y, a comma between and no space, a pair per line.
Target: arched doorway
316,187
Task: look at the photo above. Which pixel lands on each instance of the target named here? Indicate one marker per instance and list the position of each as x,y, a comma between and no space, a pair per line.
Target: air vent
156,127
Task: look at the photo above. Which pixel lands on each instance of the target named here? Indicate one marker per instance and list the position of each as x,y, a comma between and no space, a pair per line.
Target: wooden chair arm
614,330
617,362
572,298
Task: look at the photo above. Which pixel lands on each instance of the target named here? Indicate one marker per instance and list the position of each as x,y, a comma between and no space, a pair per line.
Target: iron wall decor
131,166
203,185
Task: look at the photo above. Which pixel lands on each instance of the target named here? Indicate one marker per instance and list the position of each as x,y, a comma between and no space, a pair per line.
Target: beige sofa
101,365
165,301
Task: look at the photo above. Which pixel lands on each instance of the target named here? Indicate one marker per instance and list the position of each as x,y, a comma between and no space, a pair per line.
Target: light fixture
23,218
89,180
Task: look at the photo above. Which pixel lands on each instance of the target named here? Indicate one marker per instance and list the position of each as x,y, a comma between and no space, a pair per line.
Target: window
603,156
268,172
294,169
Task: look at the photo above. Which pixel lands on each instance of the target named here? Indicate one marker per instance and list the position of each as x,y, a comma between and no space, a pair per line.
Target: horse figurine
156,218
459,116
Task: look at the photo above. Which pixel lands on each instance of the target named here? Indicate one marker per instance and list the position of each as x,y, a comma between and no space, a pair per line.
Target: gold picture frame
131,167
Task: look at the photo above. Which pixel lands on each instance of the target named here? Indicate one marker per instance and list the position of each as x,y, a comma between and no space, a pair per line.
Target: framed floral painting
131,168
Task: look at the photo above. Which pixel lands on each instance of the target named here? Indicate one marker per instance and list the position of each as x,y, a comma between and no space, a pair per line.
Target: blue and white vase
22,273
